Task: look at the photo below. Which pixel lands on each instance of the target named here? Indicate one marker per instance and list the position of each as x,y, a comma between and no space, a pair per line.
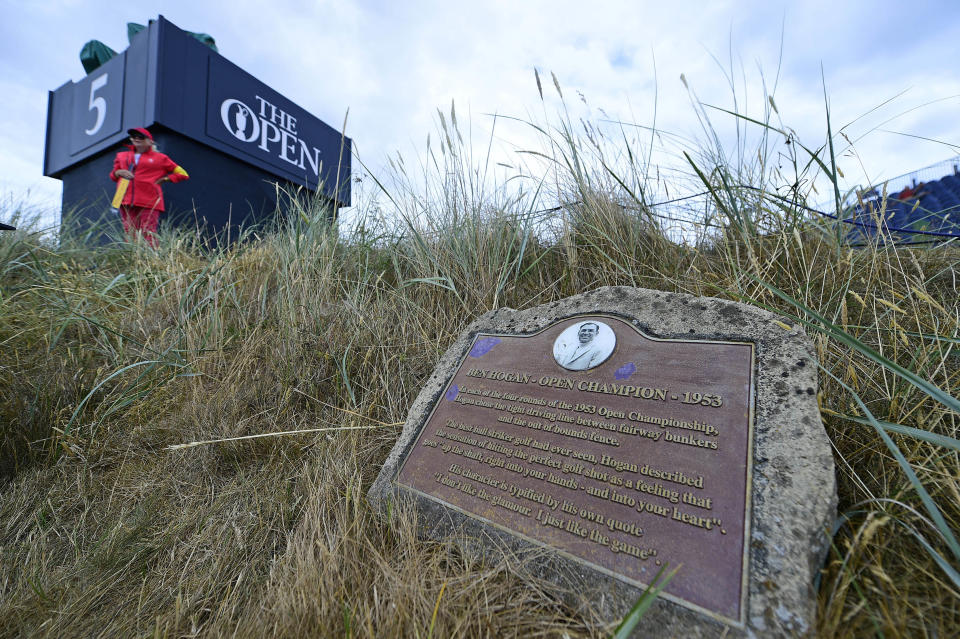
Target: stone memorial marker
624,430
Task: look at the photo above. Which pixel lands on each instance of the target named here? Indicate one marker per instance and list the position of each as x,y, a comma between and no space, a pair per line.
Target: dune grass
114,357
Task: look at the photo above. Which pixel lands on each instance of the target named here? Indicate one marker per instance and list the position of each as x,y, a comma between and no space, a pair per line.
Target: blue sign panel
236,136
97,105
168,78
260,123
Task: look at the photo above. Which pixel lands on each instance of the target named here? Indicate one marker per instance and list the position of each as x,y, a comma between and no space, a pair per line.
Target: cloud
394,64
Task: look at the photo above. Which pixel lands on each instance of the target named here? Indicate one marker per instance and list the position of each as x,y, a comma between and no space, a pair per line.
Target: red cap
141,131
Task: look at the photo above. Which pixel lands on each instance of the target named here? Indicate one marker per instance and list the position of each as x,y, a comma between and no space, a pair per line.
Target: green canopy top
95,53
133,29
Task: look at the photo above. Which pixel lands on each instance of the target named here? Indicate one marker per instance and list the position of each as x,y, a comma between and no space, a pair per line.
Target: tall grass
113,357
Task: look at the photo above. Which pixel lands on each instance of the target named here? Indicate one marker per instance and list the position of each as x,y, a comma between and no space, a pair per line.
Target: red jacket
153,165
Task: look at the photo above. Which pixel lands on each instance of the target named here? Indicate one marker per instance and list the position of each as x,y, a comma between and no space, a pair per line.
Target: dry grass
111,356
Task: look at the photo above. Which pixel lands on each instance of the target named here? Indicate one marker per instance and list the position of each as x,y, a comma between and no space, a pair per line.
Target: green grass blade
646,600
945,566
917,433
832,174
84,401
823,325
925,498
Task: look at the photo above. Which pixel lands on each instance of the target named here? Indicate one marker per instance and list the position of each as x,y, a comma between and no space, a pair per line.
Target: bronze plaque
619,450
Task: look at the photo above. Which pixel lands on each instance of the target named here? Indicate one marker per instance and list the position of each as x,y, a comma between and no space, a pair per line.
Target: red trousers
140,220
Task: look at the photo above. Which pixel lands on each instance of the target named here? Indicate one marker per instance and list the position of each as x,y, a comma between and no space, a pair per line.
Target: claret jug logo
272,129
244,125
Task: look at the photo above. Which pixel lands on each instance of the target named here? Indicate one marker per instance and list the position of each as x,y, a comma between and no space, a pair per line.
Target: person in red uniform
146,169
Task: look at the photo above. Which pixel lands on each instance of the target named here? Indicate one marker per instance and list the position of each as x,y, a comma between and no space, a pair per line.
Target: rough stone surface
794,485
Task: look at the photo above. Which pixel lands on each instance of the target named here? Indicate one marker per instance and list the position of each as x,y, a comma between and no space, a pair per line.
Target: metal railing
895,185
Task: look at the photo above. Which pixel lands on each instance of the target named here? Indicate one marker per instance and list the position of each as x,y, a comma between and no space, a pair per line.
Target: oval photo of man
584,345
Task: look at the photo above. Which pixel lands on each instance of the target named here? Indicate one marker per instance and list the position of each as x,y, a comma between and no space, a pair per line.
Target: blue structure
919,213
235,136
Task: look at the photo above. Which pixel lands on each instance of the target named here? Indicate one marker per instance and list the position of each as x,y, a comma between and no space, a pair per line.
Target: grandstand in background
917,208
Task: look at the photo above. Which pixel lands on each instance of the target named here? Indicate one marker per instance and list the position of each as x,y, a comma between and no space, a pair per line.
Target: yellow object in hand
121,191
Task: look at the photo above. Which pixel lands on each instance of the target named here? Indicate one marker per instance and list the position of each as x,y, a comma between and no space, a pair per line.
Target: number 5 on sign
98,103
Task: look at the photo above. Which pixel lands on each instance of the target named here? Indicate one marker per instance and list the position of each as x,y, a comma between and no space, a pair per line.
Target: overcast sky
393,64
